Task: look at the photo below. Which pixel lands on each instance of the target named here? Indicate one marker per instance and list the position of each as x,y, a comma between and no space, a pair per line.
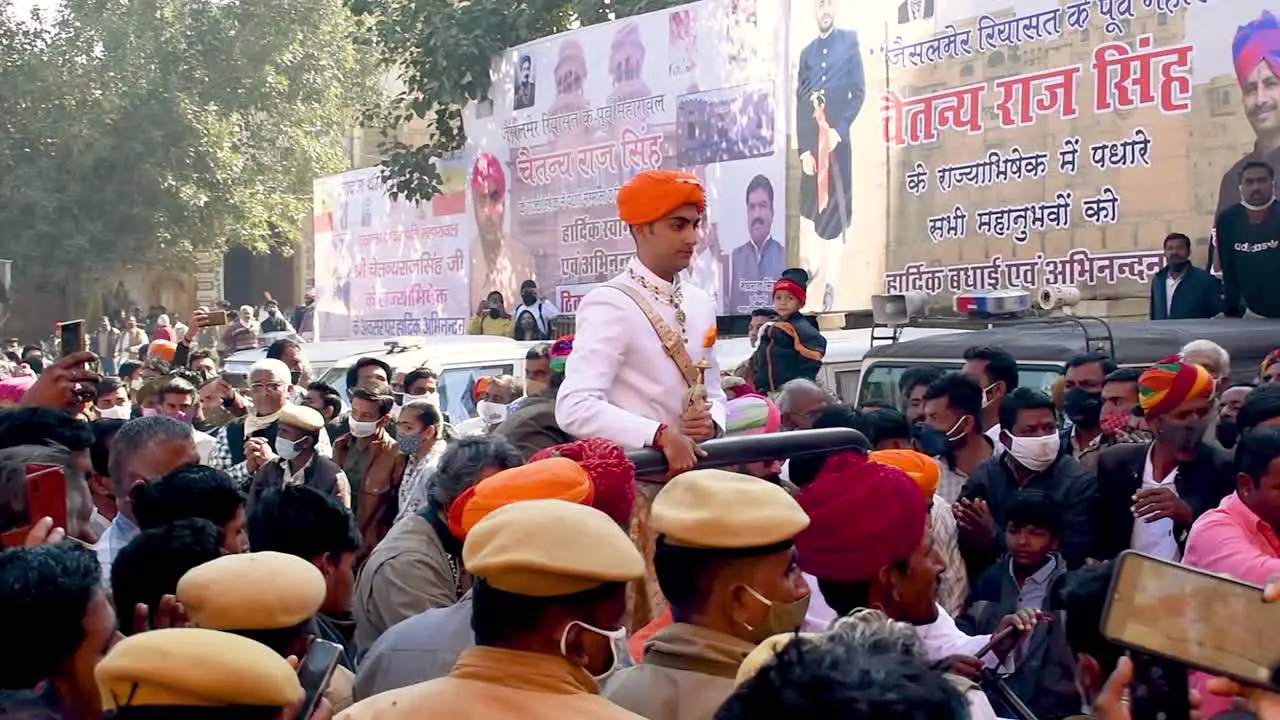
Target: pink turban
1257,42
13,388
487,176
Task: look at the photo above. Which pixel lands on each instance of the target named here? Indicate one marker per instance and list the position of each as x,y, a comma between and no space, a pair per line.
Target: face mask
1228,432
119,412
986,400
135,384
362,428
287,449
529,298
1083,407
492,412
782,617
433,398
617,644
295,377
1183,437
409,444
1035,453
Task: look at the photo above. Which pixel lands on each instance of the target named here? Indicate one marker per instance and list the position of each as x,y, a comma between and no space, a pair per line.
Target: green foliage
154,130
443,49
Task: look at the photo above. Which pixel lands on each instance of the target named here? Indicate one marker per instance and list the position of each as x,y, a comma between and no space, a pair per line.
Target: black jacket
787,351
1197,295
1202,483
1066,483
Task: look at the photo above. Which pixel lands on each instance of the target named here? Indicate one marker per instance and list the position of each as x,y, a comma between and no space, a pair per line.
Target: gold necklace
674,298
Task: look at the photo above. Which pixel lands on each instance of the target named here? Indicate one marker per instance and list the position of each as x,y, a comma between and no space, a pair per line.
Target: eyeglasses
272,386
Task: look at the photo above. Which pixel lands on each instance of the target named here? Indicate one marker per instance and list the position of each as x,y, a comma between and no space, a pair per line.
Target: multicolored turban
549,479
751,415
1257,42
655,194
612,474
487,176
559,354
863,516
921,468
1165,386
1268,361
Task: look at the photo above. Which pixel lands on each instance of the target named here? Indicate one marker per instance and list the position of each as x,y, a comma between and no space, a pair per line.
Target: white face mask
433,398
119,412
617,642
986,400
288,449
362,428
492,412
135,384
1035,453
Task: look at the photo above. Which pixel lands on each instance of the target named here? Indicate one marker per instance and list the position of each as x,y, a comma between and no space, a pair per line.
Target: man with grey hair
246,444
801,402
14,513
418,565
1212,357
143,450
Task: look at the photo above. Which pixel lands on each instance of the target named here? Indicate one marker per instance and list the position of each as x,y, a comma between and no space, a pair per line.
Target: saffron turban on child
612,475
752,415
1165,386
655,194
549,479
559,354
1257,42
862,516
921,468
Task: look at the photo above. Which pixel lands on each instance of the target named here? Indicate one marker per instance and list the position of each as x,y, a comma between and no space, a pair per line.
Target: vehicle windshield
456,398
880,381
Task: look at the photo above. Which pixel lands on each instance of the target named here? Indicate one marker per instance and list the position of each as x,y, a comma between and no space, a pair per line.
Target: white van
842,363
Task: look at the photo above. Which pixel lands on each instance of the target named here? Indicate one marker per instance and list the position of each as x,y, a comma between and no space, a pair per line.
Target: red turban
1255,43
612,474
1165,386
655,194
862,517
487,177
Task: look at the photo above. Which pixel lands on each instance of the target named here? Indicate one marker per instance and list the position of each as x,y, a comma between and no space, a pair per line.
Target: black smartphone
71,336
1199,619
315,672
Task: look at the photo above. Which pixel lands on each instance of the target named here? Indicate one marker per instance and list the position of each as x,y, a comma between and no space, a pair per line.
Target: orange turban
612,474
918,466
551,479
1165,386
655,194
162,349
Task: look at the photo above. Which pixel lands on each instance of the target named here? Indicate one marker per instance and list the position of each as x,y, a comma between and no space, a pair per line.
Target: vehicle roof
1136,342
440,351
842,345
324,352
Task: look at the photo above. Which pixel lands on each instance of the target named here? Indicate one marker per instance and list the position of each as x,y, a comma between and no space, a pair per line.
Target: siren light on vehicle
991,303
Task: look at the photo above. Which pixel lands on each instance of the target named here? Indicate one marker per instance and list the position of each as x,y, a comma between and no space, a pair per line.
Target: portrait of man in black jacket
1182,291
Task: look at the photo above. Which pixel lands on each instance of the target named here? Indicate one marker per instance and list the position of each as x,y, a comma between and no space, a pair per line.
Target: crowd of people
955,563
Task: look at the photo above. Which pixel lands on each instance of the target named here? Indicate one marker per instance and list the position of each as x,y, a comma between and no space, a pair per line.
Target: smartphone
315,673
71,336
47,494
215,317
1193,617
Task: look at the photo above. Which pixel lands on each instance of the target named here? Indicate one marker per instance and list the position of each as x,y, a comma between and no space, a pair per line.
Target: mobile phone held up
315,672
1205,621
46,487
214,318
71,337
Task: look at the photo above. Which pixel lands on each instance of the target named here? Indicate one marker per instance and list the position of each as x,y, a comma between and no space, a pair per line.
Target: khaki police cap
302,417
252,591
721,510
548,548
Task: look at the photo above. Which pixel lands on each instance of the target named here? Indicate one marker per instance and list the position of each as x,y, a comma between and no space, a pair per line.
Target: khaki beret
194,668
766,651
721,510
252,591
548,548
302,417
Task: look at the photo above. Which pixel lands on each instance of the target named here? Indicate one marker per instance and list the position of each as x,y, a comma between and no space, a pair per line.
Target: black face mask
494,311
1228,432
930,440
1183,437
1083,407
295,376
529,298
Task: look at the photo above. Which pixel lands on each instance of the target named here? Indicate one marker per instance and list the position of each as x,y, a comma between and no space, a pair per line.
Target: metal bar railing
727,452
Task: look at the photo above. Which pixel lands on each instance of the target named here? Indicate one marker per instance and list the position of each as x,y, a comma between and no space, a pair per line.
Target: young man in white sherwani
621,382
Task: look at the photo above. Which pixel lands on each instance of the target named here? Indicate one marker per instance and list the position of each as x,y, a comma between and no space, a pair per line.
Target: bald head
801,402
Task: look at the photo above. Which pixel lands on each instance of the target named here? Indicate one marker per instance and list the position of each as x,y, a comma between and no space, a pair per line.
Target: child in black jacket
791,346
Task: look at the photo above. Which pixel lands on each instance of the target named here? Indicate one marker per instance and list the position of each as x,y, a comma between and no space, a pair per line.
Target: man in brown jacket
372,461
726,564
418,566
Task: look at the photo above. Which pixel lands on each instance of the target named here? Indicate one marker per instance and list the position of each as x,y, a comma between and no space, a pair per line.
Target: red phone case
47,494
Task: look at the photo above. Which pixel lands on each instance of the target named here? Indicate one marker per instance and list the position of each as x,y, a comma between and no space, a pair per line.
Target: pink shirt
1231,540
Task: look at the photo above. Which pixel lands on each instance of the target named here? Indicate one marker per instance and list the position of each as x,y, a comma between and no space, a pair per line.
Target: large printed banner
1057,142
699,88
388,268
